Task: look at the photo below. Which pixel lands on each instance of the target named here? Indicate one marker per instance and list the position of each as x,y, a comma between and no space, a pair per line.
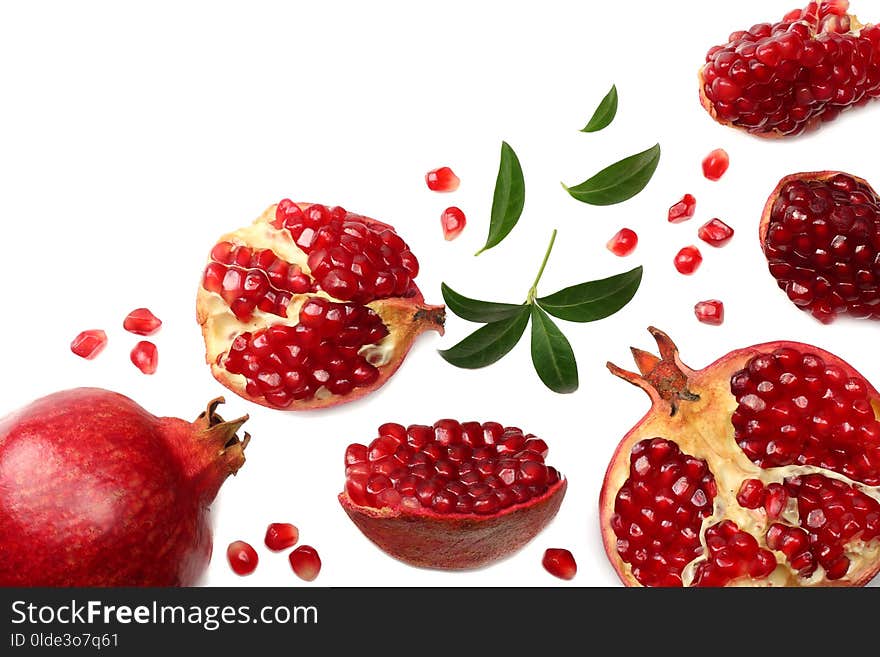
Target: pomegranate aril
242,557
453,222
442,180
688,260
715,233
88,344
623,243
145,356
281,535
683,210
141,321
306,562
560,563
715,164
710,312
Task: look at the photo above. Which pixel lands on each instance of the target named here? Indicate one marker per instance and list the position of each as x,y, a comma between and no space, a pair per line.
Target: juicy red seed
281,535
141,322
242,557
683,210
623,243
145,356
710,312
306,562
442,180
715,164
453,222
560,563
89,344
715,233
688,260
751,494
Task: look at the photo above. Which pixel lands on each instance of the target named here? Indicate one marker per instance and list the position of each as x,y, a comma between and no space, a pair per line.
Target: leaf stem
533,291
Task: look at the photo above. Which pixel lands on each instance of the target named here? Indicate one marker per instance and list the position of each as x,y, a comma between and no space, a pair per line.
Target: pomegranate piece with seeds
442,180
715,233
281,535
88,344
623,243
306,562
715,164
688,260
761,469
242,557
453,222
145,357
788,77
141,321
710,312
560,563
819,232
683,210
452,495
310,306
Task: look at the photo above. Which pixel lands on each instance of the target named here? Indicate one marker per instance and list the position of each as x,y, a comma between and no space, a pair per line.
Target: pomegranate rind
689,426
455,541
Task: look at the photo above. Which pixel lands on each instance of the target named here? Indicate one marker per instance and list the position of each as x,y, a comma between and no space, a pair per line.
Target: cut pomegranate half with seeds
452,495
791,76
683,210
560,563
281,535
761,469
819,232
306,562
442,180
88,344
310,306
623,243
141,321
453,222
715,233
688,260
242,557
710,312
145,357
715,164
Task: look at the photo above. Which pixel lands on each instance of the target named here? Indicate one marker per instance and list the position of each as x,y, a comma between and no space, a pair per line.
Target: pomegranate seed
242,557
442,180
281,535
141,322
89,344
715,164
145,356
623,243
710,312
688,260
715,233
560,563
683,210
305,562
453,222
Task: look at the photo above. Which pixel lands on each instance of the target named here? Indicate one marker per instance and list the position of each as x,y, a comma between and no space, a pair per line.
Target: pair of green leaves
505,324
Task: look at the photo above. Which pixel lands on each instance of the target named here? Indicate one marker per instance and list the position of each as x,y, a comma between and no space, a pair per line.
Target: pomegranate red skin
455,541
96,491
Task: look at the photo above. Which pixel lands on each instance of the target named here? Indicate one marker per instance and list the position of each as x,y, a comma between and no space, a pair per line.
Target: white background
133,135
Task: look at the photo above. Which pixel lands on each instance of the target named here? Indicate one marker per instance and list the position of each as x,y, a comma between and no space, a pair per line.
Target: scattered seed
89,344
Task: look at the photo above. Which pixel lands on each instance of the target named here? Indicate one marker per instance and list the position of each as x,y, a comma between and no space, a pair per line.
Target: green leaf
510,196
489,343
605,112
552,354
475,310
620,181
594,300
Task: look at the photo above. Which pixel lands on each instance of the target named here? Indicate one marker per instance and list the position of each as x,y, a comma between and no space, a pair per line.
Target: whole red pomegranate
791,76
96,491
821,235
762,469
310,306
452,495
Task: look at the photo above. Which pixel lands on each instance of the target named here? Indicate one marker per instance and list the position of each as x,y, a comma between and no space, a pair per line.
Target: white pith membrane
703,429
221,326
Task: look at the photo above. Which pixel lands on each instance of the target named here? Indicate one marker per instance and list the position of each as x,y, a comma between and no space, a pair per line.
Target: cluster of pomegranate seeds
281,535
306,562
448,468
732,554
715,164
145,357
560,563
323,351
659,511
710,312
786,77
822,246
623,243
442,180
683,210
88,344
715,233
453,222
794,409
688,260
141,321
753,494
242,557
348,257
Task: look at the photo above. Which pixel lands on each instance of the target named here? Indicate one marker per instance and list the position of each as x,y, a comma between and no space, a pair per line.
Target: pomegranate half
310,306
762,469
452,495
96,491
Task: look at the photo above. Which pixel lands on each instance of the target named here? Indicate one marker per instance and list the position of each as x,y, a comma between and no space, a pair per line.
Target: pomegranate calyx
224,434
